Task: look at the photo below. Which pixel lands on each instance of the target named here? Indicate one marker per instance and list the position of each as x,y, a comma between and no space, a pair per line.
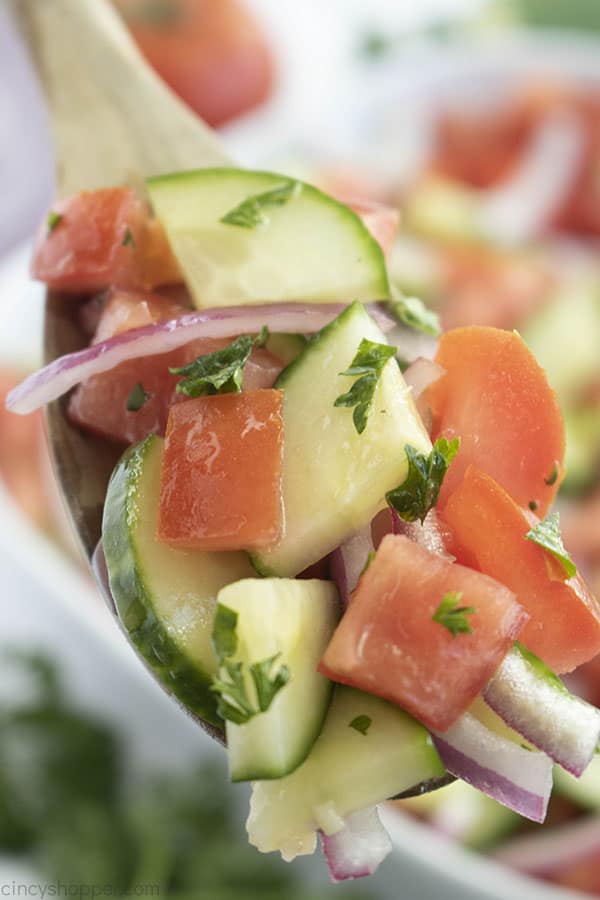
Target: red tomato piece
489,530
103,238
496,398
99,404
388,644
210,52
220,486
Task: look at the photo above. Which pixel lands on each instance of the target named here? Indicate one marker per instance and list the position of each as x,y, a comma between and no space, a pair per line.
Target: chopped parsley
128,240
412,312
368,364
452,615
219,372
53,221
137,398
235,703
547,535
419,491
361,724
250,212
533,505
551,479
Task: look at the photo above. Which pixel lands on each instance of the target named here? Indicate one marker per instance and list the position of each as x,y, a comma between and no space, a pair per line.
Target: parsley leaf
235,704
219,372
53,221
250,212
137,398
452,615
361,724
419,491
412,312
368,363
551,479
128,240
547,535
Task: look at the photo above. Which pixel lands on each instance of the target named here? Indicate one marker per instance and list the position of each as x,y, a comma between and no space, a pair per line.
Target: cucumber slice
345,771
334,479
312,248
165,598
296,620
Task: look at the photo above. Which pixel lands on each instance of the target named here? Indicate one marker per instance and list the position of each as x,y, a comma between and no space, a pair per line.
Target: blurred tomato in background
210,52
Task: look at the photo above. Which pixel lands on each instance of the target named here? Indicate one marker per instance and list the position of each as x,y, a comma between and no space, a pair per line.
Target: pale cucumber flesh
310,248
295,619
334,479
345,771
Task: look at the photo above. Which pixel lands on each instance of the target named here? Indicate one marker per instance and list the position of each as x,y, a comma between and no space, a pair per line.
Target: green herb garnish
533,505
53,221
361,724
128,240
370,557
250,212
235,703
220,372
551,479
419,491
547,535
412,312
137,398
368,364
452,615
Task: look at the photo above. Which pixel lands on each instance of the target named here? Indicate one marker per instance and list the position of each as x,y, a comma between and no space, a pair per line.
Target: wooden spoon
113,121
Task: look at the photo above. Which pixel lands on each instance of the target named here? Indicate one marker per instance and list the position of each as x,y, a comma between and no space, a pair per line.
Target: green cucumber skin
255,773
185,680
367,244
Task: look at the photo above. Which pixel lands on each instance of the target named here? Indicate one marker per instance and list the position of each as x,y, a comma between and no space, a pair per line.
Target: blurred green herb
66,807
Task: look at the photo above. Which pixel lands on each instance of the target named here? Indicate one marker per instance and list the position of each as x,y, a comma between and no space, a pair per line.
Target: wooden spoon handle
113,119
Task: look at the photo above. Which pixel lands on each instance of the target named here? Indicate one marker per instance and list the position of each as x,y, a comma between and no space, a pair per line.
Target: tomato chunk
220,486
489,530
99,404
103,238
388,643
497,399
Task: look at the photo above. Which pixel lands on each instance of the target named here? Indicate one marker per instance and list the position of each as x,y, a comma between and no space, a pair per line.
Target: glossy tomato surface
98,239
389,644
220,485
496,398
489,531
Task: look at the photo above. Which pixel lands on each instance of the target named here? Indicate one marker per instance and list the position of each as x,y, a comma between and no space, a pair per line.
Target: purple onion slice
358,849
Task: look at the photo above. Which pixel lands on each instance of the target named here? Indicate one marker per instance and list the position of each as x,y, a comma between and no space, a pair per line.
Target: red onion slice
348,562
420,374
518,778
359,849
64,373
532,701
549,851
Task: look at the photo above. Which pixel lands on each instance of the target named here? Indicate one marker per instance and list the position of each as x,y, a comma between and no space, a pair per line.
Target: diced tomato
103,238
210,52
220,486
489,530
100,403
21,457
496,398
388,644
